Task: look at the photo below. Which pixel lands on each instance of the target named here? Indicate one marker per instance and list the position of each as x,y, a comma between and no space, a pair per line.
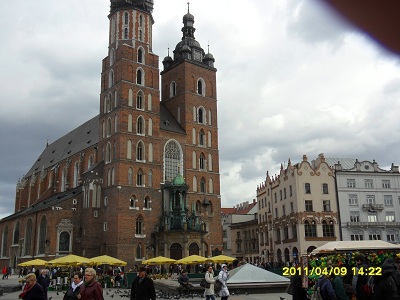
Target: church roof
168,122
249,273
54,201
82,137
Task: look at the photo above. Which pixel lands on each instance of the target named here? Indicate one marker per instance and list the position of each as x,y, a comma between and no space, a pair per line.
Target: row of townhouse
314,202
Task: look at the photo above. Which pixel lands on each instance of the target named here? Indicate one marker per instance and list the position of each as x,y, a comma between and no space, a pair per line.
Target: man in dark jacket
361,279
184,283
143,287
385,286
44,281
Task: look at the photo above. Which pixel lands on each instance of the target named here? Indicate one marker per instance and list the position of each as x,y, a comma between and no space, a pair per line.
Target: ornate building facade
140,179
297,211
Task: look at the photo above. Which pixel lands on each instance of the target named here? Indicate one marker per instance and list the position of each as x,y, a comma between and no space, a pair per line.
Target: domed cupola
167,61
178,180
209,59
188,42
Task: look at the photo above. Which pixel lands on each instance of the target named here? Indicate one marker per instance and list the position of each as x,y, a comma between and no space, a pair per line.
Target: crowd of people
357,286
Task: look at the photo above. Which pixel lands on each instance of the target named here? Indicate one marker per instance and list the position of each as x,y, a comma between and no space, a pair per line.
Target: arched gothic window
140,151
42,235
28,238
140,55
139,225
172,160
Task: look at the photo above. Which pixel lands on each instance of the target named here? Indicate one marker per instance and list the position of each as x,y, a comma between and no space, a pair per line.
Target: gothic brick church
139,180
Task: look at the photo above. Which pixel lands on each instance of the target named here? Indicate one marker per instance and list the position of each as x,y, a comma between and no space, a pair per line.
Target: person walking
91,289
32,289
209,277
4,272
143,287
223,278
44,280
75,287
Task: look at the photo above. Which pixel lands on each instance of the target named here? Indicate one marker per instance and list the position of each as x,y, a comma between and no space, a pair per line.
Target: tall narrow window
200,87
16,234
140,151
140,55
325,188
139,178
139,254
307,188
150,178
202,162
139,77
202,185
126,33
42,235
139,101
140,125
126,19
130,176
28,238
172,89
201,138
139,225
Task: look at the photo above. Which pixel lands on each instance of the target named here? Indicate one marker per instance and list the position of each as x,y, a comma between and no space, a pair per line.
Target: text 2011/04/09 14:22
337,271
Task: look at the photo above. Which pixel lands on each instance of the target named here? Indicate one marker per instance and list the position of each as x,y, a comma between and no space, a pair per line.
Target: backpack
217,286
368,288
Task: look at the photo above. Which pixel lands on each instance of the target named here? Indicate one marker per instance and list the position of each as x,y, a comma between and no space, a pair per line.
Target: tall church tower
189,94
129,135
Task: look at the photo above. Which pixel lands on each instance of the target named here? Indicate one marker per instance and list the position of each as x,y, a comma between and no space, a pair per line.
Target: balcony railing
372,206
373,224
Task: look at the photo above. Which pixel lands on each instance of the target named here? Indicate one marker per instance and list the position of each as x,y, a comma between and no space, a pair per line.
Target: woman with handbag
209,277
223,278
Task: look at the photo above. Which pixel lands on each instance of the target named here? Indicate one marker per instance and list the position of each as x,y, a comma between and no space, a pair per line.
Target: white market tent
333,247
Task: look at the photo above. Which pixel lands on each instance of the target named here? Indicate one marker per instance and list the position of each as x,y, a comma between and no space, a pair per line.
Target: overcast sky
292,79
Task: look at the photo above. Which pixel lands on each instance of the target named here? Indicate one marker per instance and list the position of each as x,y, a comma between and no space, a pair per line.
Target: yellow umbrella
35,262
69,260
221,259
107,260
192,259
159,260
